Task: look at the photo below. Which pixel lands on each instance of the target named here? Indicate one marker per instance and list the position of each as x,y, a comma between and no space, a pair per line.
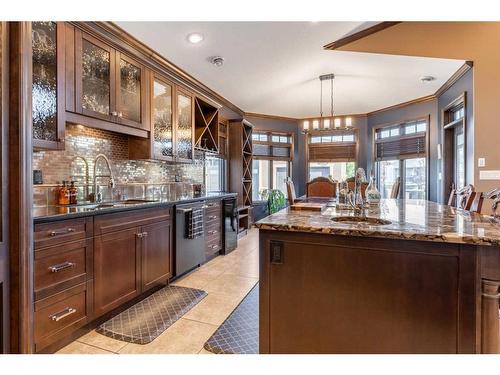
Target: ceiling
273,67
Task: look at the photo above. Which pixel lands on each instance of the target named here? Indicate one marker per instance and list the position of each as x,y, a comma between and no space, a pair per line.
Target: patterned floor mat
239,334
146,320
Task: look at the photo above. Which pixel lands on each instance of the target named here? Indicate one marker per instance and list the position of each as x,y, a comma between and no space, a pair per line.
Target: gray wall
365,124
464,84
410,112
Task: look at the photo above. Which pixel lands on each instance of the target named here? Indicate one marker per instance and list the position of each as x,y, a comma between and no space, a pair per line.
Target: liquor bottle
372,193
73,193
63,194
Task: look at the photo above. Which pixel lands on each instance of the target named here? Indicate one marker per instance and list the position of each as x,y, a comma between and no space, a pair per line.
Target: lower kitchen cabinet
156,254
116,265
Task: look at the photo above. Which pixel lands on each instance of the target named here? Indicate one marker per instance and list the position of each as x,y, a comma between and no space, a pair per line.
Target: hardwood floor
226,279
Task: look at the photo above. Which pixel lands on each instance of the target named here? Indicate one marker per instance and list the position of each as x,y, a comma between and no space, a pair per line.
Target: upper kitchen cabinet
48,40
206,125
184,139
108,85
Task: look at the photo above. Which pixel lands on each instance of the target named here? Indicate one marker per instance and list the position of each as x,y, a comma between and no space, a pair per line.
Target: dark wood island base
324,293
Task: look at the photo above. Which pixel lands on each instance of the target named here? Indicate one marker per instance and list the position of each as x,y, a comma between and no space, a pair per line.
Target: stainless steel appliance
189,236
230,213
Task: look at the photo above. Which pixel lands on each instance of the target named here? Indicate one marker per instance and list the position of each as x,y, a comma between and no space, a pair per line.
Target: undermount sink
135,201
361,220
93,206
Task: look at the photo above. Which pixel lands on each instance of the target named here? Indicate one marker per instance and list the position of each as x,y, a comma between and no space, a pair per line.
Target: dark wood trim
454,78
129,44
20,189
359,35
271,117
404,104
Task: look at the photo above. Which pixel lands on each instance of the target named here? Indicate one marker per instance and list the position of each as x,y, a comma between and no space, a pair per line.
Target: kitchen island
409,276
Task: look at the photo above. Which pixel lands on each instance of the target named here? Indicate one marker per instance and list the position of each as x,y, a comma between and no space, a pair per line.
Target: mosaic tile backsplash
133,178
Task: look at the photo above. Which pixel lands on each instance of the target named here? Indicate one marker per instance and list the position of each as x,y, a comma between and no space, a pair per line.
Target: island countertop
410,219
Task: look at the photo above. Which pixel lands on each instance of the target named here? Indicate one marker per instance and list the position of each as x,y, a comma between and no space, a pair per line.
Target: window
332,154
338,171
215,174
401,151
454,160
272,155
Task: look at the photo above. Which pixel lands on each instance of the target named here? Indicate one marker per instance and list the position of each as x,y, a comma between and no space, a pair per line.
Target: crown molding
271,117
404,104
454,78
359,35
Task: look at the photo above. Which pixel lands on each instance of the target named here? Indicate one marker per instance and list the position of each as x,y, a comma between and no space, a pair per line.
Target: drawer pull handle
215,246
139,235
62,231
63,314
212,204
212,217
61,267
212,231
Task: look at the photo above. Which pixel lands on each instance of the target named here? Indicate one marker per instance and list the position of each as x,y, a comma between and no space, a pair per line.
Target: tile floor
226,279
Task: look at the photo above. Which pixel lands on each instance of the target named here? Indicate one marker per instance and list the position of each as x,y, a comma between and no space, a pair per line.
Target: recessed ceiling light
194,38
426,79
217,60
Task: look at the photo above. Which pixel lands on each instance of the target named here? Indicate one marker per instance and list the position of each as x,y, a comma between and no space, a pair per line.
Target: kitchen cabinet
116,266
156,248
108,84
48,41
132,253
172,123
213,228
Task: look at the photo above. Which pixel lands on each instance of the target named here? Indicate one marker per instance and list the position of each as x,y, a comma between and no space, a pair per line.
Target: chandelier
326,122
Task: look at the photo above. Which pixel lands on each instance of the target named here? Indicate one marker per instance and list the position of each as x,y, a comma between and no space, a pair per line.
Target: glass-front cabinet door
108,84
95,82
162,116
130,91
184,130
48,84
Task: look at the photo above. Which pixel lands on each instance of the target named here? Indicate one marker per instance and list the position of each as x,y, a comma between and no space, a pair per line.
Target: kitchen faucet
96,195
355,198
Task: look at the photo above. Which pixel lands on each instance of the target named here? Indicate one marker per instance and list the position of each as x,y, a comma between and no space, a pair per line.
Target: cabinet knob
139,235
120,114
114,113
144,234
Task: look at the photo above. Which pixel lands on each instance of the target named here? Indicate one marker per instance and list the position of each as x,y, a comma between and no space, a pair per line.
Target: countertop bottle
63,194
372,193
73,193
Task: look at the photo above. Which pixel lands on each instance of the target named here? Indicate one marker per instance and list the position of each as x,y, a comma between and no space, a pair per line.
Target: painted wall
439,39
464,84
410,112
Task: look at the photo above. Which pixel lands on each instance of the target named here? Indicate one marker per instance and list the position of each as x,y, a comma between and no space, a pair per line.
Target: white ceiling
273,67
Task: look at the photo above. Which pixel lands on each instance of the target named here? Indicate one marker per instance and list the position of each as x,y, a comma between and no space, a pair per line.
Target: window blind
401,148
337,145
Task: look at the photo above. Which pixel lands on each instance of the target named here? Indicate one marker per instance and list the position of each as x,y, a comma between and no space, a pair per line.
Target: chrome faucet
354,198
96,195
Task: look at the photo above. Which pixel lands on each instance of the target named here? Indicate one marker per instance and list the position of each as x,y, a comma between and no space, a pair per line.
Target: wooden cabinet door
156,254
116,269
131,98
95,80
184,134
48,44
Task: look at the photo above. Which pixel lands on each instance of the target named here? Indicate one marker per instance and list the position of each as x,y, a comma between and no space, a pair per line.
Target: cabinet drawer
211,218
213,245
54,233
60,267
129,219
213,206
61,314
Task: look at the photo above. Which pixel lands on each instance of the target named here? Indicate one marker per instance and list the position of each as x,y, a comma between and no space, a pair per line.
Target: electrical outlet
481,162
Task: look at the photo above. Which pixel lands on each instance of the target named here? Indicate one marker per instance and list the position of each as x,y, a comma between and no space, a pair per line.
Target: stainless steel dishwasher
189,236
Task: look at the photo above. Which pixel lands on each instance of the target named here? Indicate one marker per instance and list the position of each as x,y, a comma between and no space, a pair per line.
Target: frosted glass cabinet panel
184,131
163,131
48,123
130,91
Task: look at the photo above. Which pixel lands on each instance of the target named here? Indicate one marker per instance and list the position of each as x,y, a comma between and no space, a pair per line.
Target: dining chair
322,187
351,184
395,188
290,190
463,197
495,196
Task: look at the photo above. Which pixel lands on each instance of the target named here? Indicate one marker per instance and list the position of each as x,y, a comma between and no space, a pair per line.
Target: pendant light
322,123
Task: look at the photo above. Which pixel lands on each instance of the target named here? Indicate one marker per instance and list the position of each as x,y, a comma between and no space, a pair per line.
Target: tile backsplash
83,144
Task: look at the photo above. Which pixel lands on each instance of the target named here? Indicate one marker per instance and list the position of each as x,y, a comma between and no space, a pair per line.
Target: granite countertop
410,219
52,213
